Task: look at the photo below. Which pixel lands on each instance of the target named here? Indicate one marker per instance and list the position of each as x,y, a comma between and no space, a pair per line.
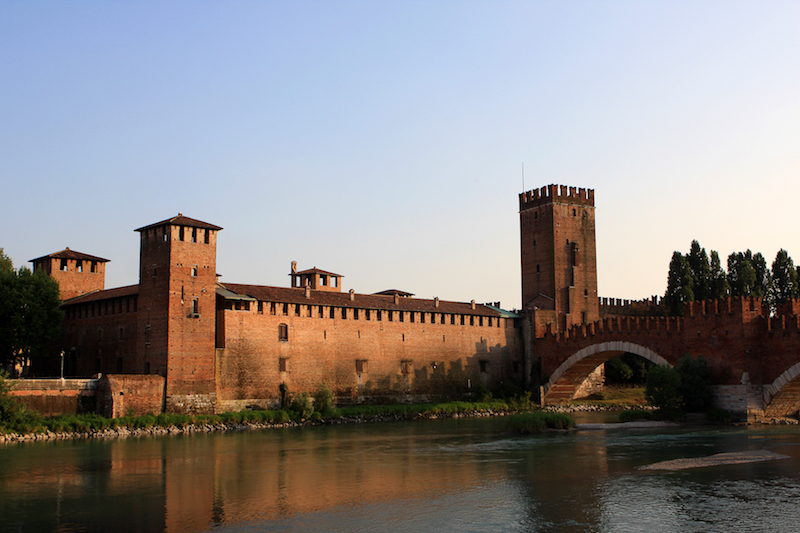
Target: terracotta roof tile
70,254
181,220
361,301
119,292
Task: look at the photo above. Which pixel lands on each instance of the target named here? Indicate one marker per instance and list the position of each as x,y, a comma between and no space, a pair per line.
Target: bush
482,394
720,416
527,423
323,399
617,371
302,405
663,388
695,384
635,414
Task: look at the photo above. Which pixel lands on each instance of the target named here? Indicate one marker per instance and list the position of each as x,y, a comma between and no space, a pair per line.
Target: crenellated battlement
556,193
617,306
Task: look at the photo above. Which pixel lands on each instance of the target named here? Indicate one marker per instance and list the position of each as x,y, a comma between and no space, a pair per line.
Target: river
465,475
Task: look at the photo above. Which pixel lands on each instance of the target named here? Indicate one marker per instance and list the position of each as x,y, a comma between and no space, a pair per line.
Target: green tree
741,274
695,384
719,281
701,271
6,264
784,276
617,371
680,285
663,389
30,316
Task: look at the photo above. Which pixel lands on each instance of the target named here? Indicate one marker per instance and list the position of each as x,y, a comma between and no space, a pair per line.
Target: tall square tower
559,262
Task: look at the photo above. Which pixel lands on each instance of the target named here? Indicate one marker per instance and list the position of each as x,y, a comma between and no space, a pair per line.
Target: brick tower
559,263
177,308
75,272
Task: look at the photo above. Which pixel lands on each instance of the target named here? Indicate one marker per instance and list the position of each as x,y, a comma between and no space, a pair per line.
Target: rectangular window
405,367
484,366
355,314
471,320
79,265
283,333
195,307
422,318
400,316
378,316
319,311
344,313
480,320
194,271
296,309
194,234
285,309
283,364
309,313
260,307
361,366
180,233
331,311
94,266
366,314
462,320
490,321
205,235
411,316
63,267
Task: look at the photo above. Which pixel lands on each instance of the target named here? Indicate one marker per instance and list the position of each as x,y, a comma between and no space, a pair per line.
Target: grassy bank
31,422
615,396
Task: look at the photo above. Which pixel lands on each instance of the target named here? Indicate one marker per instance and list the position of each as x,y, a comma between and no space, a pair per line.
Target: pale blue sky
384,140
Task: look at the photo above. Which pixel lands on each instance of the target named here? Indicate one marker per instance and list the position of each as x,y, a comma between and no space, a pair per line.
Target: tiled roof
104,295
70,254
361,301
316,270
392,292
181,220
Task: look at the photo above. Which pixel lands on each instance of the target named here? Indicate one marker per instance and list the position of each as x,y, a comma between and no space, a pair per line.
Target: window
517,367
462,320
94,266
195,307
283,364
480,320
401,316
452,320
260,307
537,269
296,309
471,320
490,321
574,213
147,336
411,317
378,315
323,280
180,233
422,318
63,267
283,333
205,236
355,314
194,234
79,265
361,366
367,315
391,316
484,366
405,367
332,312
344,313
334,281
285,309
194,271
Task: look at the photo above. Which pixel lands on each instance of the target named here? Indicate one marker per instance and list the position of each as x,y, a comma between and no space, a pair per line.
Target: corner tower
177,309
559,262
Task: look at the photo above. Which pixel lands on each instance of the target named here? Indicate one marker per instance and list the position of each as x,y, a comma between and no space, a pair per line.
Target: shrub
527,423
663,388
323,399
302,405
720,416
635,414
482,394
695,384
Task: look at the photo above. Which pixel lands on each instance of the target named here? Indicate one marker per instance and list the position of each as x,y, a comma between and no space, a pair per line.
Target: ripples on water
455,476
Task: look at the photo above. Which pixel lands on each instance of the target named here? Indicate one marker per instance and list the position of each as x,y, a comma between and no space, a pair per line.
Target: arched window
283,333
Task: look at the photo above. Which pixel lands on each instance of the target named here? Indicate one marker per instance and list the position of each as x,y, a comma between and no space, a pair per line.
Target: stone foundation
192,404
56,396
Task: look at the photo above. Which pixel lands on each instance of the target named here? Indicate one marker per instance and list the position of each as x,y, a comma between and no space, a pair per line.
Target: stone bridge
754,358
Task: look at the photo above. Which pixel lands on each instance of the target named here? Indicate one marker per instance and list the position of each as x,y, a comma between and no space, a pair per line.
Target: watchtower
559,262
76,273
177,310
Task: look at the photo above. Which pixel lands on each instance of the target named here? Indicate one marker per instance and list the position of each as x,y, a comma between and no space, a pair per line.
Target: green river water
465,475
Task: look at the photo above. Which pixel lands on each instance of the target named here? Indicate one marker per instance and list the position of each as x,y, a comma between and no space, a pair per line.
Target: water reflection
456,475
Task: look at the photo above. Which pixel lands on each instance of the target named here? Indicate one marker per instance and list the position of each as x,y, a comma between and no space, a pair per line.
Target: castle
183,341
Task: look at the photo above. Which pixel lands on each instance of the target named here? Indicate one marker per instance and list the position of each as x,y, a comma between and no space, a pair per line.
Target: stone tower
177,310
559,263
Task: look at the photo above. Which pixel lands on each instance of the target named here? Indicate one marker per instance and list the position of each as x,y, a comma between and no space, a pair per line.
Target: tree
701,271
741,274
784,276
5,262
764,288
719,281
663,389
30,315
680,285
695,384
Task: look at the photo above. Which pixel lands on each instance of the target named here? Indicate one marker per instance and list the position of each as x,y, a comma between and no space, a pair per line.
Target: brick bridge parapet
735,335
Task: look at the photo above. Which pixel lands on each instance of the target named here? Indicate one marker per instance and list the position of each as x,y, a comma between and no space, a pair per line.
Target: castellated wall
360,359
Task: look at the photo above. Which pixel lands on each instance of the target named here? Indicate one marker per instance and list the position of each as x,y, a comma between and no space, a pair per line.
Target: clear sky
384,141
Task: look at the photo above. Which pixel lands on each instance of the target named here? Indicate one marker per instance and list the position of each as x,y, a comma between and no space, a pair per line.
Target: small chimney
396,298
436,302
294,267
352,295
472,304
308,291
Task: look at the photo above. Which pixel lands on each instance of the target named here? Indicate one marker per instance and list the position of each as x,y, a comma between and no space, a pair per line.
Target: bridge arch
566,379
782,396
